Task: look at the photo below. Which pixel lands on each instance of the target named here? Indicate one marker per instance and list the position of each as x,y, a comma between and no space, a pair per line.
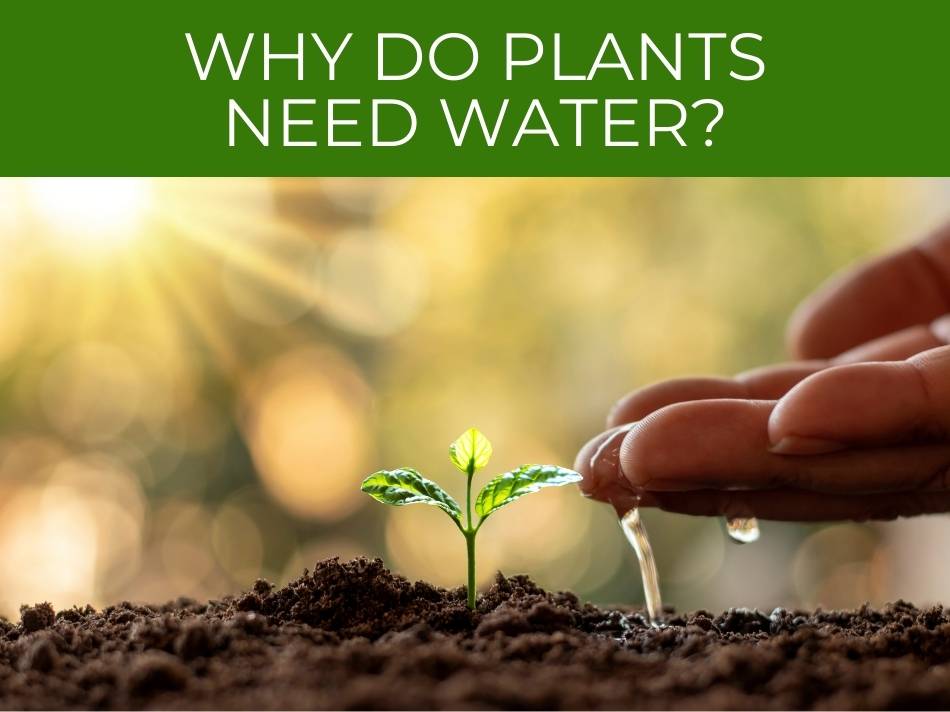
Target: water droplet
743,530
636,534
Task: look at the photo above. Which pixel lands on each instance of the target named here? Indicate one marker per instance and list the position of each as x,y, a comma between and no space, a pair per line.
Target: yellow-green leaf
407,486
471,451
508,487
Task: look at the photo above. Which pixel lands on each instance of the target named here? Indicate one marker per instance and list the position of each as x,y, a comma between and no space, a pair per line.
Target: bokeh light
237,545
277,301
838,565
375,285
92,391
72,532
306,422
49,550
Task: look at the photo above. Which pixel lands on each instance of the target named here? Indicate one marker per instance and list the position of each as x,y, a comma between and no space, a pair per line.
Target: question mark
715,119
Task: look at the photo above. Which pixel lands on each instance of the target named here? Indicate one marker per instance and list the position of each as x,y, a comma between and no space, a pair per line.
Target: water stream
742,530
636,534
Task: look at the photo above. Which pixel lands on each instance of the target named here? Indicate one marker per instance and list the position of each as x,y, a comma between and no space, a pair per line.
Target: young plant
470,453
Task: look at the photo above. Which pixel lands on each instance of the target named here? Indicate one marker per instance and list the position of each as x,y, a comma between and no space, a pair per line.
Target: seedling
470,453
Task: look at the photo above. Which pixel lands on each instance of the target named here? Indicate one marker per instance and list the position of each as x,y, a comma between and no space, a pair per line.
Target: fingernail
941,328
796,445
602,477
607,457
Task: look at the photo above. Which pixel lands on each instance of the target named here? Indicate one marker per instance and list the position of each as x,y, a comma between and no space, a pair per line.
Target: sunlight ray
255,261
196,314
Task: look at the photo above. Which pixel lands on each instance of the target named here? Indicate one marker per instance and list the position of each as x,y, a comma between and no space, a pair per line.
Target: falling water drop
636,534
743,530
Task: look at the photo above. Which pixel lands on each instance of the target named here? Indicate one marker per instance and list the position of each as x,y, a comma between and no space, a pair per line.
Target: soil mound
352,635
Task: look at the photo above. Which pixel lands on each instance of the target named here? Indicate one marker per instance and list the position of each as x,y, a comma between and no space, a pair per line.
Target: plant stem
470,532
470,544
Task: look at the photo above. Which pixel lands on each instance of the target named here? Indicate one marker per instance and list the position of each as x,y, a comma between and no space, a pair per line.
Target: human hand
857,428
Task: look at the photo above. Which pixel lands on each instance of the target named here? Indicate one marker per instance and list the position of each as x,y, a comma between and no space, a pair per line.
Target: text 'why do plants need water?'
566,111
604,88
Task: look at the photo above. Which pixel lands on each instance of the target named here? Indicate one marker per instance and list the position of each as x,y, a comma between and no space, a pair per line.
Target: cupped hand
857,428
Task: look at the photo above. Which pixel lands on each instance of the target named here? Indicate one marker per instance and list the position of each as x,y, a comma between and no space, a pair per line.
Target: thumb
866,404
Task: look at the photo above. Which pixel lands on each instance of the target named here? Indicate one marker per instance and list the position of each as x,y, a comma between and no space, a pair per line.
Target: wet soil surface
353,635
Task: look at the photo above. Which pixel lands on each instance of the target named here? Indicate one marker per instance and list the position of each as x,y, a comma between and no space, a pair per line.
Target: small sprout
469,453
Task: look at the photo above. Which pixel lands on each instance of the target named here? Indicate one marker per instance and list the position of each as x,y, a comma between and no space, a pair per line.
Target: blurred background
195,375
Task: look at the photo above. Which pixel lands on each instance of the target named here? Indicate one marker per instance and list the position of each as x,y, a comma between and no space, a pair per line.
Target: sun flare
90,216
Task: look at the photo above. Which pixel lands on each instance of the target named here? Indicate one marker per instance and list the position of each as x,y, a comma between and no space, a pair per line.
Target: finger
893,347
770,382
608,485
798,505
867,404
604,481
773,382
598,463
724,444
882,296
644,401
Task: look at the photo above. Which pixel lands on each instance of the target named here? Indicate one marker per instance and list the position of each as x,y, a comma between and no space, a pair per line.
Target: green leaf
508,487
407,486
471,451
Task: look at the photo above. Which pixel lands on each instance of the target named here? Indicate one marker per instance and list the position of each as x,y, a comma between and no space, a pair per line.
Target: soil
352,635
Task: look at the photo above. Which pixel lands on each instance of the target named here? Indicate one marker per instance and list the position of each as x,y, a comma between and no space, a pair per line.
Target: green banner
370,89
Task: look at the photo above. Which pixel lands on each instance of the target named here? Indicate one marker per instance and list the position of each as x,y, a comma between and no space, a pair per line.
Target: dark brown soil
353,635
